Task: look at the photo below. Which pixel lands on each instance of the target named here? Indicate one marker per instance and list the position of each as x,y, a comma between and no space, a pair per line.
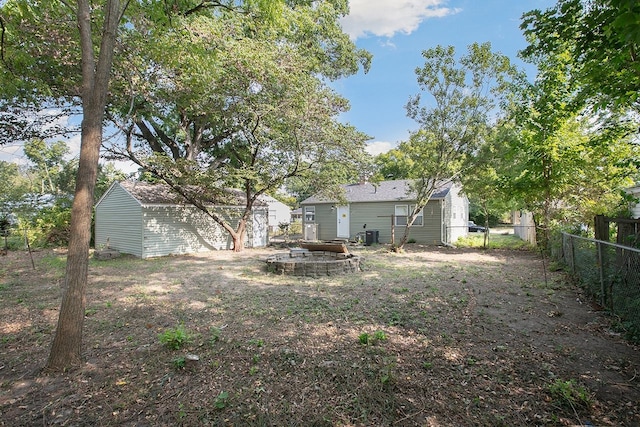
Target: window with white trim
309,214
402,213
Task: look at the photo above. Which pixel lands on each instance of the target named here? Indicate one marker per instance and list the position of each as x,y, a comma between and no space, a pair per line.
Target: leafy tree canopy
455,118
602,40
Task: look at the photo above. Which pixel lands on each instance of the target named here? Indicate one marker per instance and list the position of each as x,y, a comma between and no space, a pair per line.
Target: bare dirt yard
430,337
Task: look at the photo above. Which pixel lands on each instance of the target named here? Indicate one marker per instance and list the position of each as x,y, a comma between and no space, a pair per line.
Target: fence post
573,255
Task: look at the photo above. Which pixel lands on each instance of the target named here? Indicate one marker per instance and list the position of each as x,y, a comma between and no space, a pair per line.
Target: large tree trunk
239,235
66,350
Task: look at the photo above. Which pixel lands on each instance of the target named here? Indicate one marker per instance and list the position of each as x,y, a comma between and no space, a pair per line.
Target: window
309,214
402,213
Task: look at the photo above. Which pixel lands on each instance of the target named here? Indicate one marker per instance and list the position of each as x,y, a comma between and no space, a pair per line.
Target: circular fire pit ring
302,262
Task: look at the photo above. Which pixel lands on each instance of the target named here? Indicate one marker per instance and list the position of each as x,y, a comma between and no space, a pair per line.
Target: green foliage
249,105
569,394
455,124
394,164
380,336
601,40
221,400
496,241
175,338
364,338
51,224
48,161
14,184
575,147
554,162
214,335
368,339
257,342
179,362
41,193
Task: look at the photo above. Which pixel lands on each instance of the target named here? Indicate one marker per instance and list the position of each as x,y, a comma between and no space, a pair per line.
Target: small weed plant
569,393
175,338
179,362
366,338
214,336
221,400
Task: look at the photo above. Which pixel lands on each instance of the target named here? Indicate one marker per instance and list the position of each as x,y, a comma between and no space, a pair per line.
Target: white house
150,220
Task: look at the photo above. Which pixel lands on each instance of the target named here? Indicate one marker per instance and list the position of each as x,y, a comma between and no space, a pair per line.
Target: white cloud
378,147
388,17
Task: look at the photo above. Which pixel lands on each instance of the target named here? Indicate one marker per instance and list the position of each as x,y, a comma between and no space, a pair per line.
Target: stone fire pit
315,260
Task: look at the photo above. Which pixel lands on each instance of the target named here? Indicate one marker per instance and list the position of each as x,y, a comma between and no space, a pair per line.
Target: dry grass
456,337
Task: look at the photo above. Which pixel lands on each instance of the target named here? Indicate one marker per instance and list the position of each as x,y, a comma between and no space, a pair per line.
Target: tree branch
209,4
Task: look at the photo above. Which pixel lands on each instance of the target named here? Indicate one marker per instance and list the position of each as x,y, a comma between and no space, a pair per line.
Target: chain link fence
609,272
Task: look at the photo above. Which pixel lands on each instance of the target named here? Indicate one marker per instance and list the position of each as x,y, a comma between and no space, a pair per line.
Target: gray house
382,210
149,220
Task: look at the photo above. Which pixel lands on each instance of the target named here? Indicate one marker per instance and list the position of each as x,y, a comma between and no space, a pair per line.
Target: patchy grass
429,337
496,241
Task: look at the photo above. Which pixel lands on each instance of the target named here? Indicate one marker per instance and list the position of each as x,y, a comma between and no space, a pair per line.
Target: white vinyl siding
174,230
456,216
159,230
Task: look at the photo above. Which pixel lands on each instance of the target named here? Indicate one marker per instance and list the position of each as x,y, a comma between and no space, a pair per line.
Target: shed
382,208
150,220
279,213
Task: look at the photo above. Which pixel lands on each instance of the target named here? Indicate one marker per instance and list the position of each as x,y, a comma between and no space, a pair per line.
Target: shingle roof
161,194
385,191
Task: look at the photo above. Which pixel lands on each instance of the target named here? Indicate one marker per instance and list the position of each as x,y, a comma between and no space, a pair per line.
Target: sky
396,32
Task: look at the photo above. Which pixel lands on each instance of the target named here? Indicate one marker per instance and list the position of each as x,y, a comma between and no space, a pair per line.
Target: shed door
343,221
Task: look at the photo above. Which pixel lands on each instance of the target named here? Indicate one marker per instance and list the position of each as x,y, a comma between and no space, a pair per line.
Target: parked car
475,228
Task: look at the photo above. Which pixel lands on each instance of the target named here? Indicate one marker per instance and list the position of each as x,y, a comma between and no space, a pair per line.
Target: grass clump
366,338
175,338
179,362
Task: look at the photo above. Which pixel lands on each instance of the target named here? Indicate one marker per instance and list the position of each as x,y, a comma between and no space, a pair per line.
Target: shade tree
237,105
462,95
59,53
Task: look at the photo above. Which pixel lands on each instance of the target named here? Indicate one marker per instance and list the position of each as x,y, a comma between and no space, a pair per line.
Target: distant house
382,209
634,207
279,213
150,220
296,215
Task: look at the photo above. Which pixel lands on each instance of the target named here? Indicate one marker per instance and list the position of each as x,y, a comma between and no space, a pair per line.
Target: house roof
161,194
273,202
385,191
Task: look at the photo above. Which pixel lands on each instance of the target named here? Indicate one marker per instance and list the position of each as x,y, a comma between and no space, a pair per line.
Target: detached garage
150,220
